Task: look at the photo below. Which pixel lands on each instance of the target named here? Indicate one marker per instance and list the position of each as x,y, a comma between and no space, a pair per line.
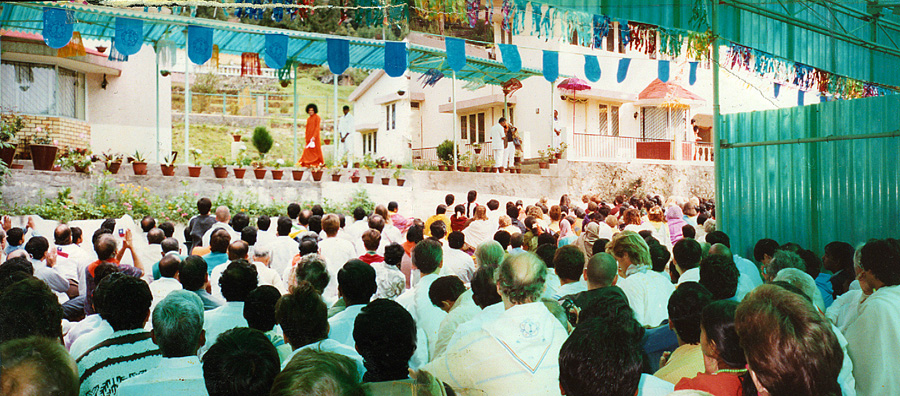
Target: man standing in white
556,137
428,257
345,129
498,144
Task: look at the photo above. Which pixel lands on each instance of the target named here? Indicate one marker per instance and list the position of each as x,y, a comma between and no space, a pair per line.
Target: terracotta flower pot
336,177
493,169
113,167
544,165
298,174
553,160
354,179
317,175
558,155
517,160
17,166
167,170
462,168
43,156
56,168
260,173
239,172
356,165
277,174
194,171
370,179
500,169
399,166
83,169
479,168
221,172
326,141
386,180
478,150
400,182
237,138
139,168
7,155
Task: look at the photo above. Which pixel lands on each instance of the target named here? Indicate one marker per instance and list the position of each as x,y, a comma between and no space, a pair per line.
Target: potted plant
398,176
236,135
336,174
326,138
218,163
385,178
43,151
551,155
168,166
544,162
370,175
138,164
240,163
277,173
445,154
79,160
560,150
317,172
477,148
194,170
112,162
297,174
354,177
262,141
462,159
259,168
10,125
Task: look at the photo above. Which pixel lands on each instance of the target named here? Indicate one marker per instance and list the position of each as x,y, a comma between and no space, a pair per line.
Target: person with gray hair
781,260
37,366
178,331
801,280
520,347
223,216
262,256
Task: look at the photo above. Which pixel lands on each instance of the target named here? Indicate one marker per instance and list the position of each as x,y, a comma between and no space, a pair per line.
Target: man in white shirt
359,225
456,261
427,256
178,331
237,281
151,250
71,258
647,291
283,248
556,137
43,261
166,284
376,222
265,234
223,216
346,131
336,251
237,250
519,350
498,142
356,283
493,212
686,256
568,262
267,276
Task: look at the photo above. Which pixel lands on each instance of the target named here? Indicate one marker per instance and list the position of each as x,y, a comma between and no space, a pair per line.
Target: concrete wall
641,177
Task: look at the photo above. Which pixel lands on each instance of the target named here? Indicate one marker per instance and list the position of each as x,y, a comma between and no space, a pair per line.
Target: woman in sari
312,151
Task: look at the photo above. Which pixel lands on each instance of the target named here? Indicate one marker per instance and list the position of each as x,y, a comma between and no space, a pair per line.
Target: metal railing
258,104
428,155
234,70
588,146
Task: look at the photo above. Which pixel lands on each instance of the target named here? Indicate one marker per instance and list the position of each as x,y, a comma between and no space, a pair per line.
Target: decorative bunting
129,35
551,66
214,59
511,58
395,58
250,64
623,69
276,50
692,78
643,38
777,89
624,32
456,53
114,55
74,48
199,44
591,68
338,55
57,30
165,53
601,29
799,98
431,77
663,70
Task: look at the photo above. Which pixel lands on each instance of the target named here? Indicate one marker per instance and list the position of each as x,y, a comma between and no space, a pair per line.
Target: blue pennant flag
338,55
199,44
551,65
692,79
395,58
57,29
799,98
663,70
276,50
777,89
623,69
591,68
456,53
129,35
511,58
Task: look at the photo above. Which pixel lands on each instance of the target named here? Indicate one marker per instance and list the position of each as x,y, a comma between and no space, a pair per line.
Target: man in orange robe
312,151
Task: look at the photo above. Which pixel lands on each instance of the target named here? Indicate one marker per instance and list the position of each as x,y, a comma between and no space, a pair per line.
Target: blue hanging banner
395,58
623,69
129,35
591,68
777,89
276,50
799,98
338,55
456,53
551,65
511,58
199,44
692,79
663,70
57,29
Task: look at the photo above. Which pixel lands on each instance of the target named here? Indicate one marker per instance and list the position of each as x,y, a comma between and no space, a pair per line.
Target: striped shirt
123,355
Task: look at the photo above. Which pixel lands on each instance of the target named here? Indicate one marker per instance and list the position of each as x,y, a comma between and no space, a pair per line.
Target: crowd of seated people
638,296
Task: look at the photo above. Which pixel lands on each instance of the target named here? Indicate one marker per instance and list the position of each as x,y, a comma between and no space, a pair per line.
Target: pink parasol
574,84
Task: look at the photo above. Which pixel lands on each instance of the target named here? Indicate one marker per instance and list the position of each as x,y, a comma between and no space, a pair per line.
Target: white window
370,142
659,123
609,120
390,117
472,127
30,88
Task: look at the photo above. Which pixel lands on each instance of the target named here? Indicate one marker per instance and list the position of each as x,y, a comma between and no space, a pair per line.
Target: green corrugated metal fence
841,184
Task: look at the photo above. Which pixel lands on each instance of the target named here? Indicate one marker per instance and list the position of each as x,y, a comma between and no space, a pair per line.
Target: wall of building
66,132
123,116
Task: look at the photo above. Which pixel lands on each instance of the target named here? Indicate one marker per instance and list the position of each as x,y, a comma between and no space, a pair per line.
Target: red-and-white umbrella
574,84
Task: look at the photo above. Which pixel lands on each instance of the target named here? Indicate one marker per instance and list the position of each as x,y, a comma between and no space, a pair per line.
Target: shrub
262,140
445,151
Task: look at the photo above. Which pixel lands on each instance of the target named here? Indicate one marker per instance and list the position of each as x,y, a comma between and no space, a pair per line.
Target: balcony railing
428,155
604,147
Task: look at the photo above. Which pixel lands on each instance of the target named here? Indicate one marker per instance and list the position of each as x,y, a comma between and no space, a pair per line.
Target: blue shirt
214,259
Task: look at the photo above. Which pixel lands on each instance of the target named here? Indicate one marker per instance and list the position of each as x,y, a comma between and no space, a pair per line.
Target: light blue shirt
220,320
172,377
214,259
342,325
329,345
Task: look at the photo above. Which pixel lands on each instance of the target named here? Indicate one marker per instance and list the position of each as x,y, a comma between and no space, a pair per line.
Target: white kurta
873,341
648,294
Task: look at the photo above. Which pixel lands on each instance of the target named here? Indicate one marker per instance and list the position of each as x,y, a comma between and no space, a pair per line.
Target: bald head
62,235
520,279
223,215
719,250
105,247
155,236
169,266
238,250
601,271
